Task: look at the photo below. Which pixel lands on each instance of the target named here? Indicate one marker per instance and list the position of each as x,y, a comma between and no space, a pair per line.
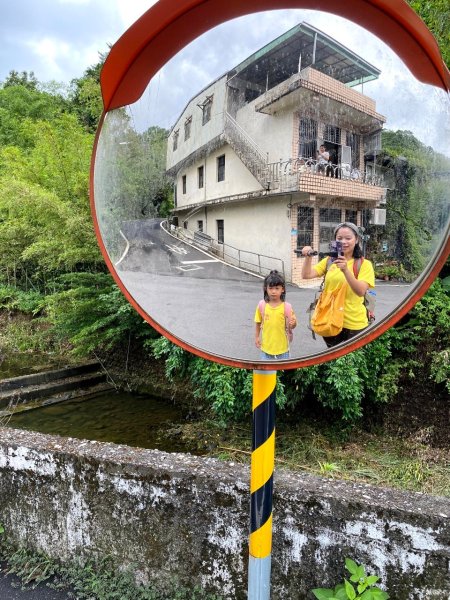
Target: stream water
119,417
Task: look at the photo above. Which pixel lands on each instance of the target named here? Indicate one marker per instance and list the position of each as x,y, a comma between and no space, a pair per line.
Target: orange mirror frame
169,25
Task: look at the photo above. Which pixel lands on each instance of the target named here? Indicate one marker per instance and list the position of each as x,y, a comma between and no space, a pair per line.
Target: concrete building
243,153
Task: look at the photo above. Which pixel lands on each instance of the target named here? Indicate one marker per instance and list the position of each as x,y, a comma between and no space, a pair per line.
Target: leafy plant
360,586
327,468
100,579
92,313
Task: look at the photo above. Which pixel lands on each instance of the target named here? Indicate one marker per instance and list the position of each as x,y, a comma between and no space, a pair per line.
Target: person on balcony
323,157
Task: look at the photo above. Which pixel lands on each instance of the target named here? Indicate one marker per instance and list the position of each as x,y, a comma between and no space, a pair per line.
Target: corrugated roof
300,47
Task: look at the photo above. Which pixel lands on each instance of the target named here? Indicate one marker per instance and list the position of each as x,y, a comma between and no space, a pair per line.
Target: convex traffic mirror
210,179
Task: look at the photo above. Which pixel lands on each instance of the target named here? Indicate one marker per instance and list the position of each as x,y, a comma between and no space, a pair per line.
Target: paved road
207,303
10,590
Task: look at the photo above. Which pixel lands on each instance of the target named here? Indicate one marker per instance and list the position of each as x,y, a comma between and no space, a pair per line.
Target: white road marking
191,268
177,249
195,262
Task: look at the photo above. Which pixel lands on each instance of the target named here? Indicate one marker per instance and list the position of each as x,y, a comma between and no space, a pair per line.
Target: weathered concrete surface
178,516
20,391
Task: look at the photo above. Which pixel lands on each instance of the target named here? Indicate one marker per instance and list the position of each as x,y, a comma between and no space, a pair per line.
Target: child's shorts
265,356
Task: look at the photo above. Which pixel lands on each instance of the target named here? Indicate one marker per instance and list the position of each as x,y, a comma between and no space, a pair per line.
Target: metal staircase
247,150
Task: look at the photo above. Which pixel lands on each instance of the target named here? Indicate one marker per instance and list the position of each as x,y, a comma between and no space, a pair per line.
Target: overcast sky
59,39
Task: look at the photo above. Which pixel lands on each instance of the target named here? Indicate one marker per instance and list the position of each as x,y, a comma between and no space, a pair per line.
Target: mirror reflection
259,139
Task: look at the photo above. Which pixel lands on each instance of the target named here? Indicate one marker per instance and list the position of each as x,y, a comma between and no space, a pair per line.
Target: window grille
305,226
307,138
332,134
351,216
329,218
372,142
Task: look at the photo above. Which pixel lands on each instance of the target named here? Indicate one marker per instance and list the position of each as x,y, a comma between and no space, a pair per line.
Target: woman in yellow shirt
341,271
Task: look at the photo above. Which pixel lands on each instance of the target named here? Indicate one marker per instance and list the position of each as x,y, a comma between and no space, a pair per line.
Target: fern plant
360,587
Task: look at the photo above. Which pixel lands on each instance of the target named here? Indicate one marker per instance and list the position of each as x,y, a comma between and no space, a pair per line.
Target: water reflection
236,151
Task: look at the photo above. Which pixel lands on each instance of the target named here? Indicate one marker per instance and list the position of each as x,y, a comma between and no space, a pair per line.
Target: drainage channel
78,401
119,417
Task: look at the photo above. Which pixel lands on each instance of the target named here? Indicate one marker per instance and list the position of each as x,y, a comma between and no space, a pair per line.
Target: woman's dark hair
271,280
357,251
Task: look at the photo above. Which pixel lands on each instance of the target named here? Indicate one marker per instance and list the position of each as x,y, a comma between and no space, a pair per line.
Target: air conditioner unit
378,216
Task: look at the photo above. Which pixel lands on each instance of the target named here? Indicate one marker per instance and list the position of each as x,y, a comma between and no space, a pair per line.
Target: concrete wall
186,517
200,134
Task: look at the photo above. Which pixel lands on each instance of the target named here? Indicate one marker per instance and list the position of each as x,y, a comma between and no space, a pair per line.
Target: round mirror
212,179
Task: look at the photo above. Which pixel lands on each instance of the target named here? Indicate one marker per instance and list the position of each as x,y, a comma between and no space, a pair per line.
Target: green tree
436,15
85,95
18,104
24,79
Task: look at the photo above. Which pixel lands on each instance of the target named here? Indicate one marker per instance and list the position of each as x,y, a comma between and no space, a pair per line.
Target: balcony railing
300,166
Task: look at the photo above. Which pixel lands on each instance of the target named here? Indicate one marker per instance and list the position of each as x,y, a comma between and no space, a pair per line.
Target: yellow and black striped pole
261,484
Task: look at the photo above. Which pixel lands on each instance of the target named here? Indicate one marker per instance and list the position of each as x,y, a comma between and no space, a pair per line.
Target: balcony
306,175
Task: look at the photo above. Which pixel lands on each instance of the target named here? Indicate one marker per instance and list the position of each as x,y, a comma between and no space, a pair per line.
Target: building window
305,226
183,183
332,134
200,225
221,168
307,138
354,141
175,139
206,109
185,224
329,218
187,128
220,231
351,216
200,176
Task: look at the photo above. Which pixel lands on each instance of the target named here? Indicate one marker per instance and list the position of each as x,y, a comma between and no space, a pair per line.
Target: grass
100,580
351,455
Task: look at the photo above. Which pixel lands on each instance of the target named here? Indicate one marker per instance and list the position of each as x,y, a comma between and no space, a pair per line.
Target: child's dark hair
271,280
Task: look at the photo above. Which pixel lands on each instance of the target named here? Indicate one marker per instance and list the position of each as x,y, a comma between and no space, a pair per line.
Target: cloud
60,39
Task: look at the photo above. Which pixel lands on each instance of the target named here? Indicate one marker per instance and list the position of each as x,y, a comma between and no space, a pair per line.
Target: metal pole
261,484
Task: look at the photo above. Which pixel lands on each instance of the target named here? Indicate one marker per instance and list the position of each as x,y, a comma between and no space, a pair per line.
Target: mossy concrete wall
181,517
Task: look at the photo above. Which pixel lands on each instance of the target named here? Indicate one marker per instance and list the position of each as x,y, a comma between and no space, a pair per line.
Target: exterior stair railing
260,264
247,150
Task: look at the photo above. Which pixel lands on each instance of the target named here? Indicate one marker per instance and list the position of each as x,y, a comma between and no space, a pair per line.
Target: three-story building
244,153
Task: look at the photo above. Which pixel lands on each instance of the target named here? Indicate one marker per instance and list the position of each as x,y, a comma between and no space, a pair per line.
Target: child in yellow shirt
274,319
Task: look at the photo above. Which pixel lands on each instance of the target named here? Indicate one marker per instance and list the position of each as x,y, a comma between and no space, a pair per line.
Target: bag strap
287,315
261,306
287,310
287,318
357,266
